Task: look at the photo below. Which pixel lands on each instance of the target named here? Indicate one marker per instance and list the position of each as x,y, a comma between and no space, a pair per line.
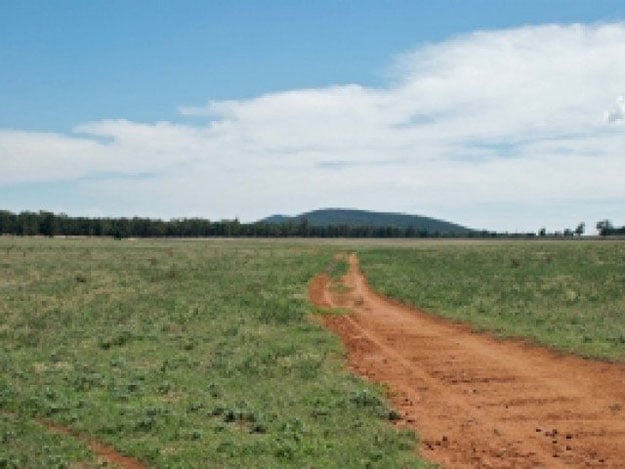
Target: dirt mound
477,401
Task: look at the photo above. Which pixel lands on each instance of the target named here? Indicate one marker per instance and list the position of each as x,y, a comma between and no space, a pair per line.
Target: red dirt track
474,400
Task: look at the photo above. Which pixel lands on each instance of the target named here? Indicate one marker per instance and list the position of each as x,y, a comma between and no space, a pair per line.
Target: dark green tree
604,227
47,224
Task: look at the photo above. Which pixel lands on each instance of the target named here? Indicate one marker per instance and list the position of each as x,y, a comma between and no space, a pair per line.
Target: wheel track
105,452
477,401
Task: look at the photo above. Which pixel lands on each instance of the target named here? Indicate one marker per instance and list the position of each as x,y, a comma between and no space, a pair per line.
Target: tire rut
477,401
105,452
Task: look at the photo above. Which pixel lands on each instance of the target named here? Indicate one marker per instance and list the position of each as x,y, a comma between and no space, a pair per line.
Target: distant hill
354,218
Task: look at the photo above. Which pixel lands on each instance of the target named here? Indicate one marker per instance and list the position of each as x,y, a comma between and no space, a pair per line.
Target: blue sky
92,79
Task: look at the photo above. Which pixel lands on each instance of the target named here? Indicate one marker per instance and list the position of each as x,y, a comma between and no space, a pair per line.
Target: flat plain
180,354
195,353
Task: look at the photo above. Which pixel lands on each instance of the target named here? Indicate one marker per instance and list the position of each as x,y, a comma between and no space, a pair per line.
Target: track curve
477,401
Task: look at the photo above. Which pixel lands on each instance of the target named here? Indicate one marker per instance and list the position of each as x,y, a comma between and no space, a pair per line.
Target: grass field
181,353
203,353
569,295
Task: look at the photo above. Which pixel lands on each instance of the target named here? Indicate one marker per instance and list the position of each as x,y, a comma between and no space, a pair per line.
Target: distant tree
568,232
604,227
119,228
7,222
304,227
542,232
580,229
47,224
27,224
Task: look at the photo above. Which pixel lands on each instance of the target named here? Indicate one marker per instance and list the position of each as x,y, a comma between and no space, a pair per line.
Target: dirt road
474,400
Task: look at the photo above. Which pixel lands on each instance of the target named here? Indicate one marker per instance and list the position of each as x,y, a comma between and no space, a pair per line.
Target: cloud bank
503,129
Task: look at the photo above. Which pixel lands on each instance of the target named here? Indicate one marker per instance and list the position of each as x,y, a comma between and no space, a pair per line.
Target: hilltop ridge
360,218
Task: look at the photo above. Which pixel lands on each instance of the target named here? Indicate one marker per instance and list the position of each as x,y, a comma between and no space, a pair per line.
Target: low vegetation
182,354
203,353
568,295
26,443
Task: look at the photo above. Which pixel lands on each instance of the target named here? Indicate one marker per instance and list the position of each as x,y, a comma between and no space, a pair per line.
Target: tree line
606,228
45,223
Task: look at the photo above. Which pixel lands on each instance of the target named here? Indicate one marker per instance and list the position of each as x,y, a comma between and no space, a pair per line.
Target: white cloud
515,116
618,111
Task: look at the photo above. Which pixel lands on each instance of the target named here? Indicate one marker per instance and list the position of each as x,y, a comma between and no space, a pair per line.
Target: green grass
24,443
338,267
202,353
183,354
568,295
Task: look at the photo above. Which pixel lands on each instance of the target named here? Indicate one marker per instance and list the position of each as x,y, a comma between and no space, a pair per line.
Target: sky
499,115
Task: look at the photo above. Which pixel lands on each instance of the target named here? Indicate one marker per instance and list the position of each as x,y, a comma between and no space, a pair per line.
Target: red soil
477,401
105,452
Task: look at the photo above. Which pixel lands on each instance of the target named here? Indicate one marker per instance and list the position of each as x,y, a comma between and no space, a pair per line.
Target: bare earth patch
477,401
